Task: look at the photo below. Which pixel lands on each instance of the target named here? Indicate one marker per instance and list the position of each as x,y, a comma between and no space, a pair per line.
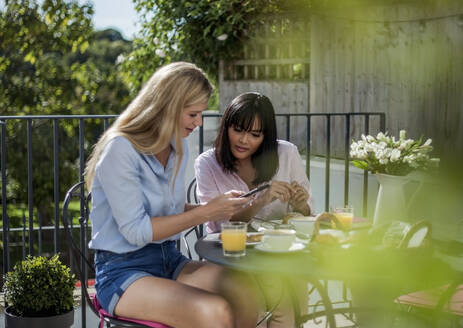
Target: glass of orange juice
234,238
344,214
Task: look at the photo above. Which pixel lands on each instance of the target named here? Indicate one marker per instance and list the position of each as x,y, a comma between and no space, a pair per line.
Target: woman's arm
207,184
301,198
219,208
189,207
118,173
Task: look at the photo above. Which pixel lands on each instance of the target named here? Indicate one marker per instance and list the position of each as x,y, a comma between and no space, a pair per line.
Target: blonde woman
136,175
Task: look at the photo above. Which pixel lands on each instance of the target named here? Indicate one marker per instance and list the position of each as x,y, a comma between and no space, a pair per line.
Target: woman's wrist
202,213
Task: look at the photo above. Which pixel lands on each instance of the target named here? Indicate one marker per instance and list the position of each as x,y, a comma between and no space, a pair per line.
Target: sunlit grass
17,211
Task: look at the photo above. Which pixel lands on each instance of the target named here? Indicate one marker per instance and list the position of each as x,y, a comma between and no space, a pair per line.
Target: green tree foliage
52,62
201,31
33,77
102,88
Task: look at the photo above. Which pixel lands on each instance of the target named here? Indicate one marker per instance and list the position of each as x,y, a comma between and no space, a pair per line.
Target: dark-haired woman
246,155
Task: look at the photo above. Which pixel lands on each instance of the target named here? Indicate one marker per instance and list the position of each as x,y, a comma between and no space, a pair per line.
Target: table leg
328,312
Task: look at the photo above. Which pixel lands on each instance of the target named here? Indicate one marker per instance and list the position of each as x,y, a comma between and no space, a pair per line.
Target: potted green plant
39,294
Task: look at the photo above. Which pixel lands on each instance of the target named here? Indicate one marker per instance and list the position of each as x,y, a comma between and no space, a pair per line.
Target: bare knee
215,312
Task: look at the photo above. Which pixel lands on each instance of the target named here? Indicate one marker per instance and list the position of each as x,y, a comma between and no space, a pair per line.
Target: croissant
290,215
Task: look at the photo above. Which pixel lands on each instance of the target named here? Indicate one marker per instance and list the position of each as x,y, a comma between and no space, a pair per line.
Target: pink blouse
212,181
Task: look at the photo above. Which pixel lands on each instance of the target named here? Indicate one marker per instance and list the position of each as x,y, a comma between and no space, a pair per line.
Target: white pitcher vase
390,202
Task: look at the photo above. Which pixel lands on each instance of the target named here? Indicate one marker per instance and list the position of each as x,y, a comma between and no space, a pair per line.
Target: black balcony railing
77,136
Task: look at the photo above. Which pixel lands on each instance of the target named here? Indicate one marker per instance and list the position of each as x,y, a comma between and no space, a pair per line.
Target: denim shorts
115,272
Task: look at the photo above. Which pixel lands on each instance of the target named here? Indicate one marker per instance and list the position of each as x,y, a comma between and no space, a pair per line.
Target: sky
117,14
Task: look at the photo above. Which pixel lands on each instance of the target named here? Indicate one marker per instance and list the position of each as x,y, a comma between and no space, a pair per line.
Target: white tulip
381,136
395,155
362,155
369,148
406,144
380,154
382,145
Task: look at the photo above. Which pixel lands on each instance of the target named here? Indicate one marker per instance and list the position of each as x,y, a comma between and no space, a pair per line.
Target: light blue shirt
128,189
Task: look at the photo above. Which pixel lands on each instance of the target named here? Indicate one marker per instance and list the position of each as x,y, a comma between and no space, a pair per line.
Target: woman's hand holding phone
225,206
256,190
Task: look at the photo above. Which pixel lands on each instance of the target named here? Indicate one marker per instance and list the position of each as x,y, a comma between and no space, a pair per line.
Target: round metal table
371,267
285,265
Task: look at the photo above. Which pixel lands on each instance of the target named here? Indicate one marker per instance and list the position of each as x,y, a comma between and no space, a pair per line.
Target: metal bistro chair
82,264
431,304
192,198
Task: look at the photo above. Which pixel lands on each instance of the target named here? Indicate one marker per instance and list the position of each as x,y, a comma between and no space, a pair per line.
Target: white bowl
303,224
278,239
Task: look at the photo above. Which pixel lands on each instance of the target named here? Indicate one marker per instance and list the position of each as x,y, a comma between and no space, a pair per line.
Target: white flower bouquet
385,154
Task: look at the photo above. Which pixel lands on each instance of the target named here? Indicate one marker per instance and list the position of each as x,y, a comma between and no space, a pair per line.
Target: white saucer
295,247
216,237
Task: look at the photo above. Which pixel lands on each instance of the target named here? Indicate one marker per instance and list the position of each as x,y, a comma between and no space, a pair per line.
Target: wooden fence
276,62
404,59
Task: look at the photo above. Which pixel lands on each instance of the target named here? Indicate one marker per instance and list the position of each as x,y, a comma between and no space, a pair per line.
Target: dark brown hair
241,113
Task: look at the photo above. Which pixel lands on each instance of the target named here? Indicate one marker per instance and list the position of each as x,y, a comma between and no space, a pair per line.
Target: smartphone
255,190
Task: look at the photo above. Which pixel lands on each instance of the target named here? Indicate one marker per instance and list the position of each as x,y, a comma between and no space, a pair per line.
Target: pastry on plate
250,238
290,215
254,238
326,219
331,237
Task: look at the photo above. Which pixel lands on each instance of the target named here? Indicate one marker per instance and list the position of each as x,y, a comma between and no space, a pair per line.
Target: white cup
278,239
303,224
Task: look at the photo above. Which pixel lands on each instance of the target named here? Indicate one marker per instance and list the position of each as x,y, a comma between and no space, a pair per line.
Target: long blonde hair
152,118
